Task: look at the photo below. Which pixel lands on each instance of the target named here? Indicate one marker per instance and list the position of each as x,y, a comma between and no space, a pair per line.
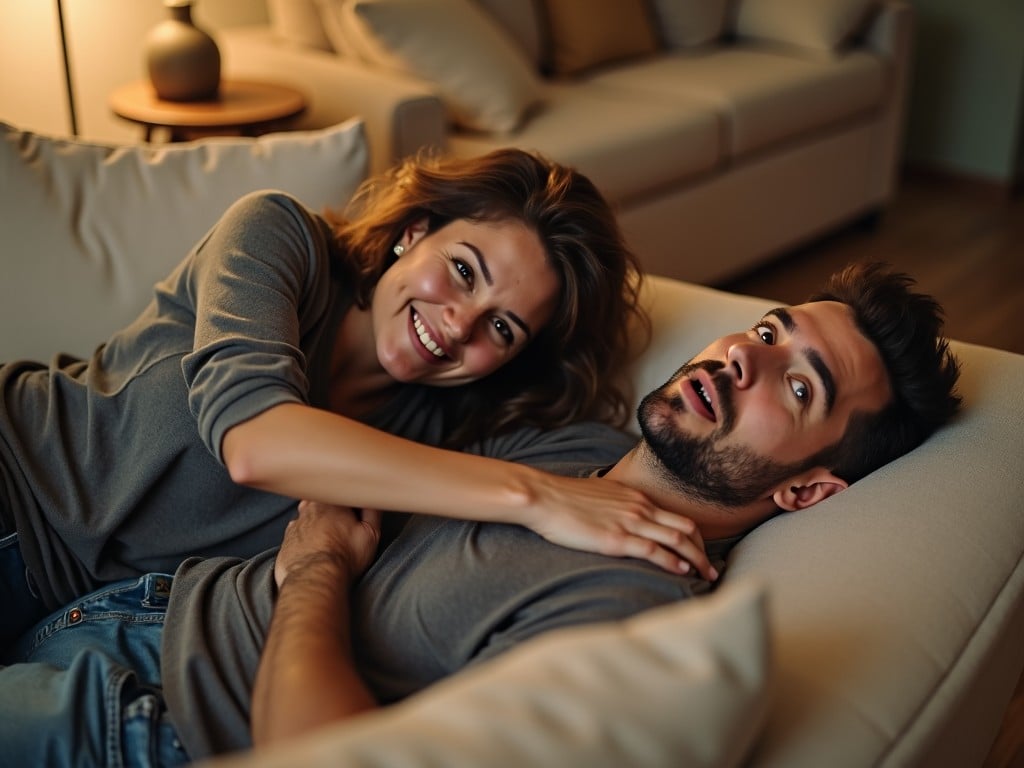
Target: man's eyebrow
827,379
485,271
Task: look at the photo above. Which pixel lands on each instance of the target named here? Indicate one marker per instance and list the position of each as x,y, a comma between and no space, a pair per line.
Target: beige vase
183,61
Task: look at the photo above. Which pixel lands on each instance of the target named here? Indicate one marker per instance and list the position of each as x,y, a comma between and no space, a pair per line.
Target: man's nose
746,361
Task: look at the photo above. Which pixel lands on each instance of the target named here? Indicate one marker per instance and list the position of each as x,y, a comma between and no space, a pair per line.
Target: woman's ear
413,233
807,489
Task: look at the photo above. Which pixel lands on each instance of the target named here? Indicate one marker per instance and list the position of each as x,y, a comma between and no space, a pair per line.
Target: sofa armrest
400,114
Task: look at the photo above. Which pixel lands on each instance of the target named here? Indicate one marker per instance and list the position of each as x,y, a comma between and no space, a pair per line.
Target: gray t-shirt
110,467
443,594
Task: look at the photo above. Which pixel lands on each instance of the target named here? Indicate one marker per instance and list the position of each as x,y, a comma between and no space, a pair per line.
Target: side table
243,107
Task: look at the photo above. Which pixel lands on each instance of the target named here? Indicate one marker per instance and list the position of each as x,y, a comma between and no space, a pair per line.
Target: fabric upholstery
298,22
681,685
763,96
482,76
112,221
688,24
810,24
522,20
584,34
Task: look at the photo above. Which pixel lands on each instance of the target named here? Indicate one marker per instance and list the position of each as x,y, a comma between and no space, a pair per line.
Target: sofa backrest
89,228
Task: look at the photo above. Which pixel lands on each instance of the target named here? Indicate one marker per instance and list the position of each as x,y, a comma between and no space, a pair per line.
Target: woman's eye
464,270
765,333
800,390
504,331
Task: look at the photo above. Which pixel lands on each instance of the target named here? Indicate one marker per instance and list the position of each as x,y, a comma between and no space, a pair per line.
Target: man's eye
765,333
800,390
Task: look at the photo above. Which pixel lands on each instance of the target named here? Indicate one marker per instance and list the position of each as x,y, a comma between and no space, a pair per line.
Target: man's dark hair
905,327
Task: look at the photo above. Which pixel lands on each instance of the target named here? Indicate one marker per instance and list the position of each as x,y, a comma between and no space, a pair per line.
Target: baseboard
995,190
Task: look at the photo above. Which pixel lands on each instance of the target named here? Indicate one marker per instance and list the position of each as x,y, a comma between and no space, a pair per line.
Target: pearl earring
399,249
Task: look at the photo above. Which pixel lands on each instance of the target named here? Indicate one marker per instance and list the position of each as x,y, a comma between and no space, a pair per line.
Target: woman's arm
304,452
306,677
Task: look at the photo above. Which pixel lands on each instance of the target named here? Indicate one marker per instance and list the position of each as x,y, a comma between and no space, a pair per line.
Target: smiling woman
294,355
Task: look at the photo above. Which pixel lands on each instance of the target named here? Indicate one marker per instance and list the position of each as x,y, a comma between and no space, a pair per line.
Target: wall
105,41
966,111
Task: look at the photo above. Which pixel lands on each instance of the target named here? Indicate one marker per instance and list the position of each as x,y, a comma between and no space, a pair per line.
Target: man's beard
726,476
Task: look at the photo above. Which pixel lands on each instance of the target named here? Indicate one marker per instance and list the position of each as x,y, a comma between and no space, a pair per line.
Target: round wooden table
243,107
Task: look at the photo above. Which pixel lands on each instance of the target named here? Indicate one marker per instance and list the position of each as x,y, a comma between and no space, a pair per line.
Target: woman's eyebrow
485,271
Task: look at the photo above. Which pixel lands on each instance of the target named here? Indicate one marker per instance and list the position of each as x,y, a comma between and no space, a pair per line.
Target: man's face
749,411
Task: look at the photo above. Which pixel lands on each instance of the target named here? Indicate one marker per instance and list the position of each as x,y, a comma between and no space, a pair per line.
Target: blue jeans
20,603
83,687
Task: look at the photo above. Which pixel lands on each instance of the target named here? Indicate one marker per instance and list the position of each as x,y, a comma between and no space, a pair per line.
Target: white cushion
298,22
688,23
481,74
682,685
89,228
811,24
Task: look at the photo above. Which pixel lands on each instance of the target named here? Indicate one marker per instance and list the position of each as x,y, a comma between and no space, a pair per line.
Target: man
773,419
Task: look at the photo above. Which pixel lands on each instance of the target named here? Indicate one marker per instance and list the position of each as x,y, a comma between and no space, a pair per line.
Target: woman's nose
460,320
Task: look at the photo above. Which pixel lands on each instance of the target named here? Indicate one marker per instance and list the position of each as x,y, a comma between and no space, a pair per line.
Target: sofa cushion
482,76
84,220
298,22
686,23
583,36
523,23
686,684
761,95
811,24
630,143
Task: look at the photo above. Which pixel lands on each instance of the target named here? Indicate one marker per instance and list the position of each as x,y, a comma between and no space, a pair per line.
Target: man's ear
807,489
414,232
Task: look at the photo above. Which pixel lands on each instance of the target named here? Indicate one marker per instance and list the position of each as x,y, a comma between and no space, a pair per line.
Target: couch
724,130
884,626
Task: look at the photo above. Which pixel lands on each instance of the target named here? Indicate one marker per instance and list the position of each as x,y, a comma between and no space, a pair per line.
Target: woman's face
462,301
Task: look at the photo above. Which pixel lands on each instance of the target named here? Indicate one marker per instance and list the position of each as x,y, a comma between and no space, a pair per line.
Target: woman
292,356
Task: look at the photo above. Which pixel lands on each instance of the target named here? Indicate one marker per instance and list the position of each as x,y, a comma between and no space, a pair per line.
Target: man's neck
635,469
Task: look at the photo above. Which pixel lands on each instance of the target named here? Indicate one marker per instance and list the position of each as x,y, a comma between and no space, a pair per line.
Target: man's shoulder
562,449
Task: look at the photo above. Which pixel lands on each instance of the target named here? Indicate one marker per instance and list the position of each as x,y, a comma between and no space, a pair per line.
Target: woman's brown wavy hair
570,371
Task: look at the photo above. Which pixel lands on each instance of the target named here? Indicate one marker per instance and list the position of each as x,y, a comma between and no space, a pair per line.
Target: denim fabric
20,605
83,687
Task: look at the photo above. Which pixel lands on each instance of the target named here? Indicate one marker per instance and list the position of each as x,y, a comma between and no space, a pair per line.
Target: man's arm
306,677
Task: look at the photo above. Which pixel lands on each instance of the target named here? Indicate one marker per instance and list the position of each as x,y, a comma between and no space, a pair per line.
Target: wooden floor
964,247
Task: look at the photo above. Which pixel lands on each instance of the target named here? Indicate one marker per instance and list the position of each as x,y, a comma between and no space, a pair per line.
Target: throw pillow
89,228
584,34
811,24
689,23
481,74
685,684
298,22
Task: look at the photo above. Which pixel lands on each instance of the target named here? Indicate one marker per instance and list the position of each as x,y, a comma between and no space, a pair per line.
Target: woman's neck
359,383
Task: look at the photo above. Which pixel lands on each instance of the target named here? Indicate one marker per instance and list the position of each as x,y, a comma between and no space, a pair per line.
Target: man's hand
348,536
306,677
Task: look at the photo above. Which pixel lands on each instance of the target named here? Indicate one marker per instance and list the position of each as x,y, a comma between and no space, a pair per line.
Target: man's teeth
425,339
703,395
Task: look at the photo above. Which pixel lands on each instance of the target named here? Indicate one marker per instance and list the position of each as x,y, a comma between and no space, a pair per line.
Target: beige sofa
884,627
725,130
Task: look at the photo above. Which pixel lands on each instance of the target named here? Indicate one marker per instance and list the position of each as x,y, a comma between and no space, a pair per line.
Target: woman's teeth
425,339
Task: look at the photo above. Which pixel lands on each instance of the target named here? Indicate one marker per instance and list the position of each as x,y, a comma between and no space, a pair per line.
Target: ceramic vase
183,61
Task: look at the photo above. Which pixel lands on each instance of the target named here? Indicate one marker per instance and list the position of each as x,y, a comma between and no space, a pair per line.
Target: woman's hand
345,535
604,516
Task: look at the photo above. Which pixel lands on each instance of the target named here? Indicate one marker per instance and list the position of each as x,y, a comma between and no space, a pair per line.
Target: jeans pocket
148,738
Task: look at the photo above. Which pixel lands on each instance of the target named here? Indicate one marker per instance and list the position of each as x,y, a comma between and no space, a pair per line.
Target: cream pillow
89,228
298,22
682,685
482,76
811,24
688,23
584,34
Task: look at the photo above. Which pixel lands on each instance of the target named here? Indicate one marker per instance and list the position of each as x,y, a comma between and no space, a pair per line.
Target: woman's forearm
303,452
